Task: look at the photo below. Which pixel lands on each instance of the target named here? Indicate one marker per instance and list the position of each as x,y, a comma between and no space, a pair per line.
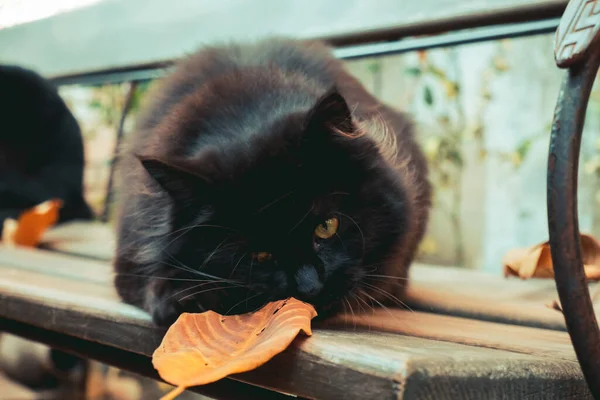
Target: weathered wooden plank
56,264
520,339
391,361
480,295
87,239
117,34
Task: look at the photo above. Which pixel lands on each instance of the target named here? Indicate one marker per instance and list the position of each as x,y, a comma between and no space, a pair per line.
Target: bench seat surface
510,346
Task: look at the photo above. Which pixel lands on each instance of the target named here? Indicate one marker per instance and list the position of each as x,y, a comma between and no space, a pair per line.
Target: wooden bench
67,301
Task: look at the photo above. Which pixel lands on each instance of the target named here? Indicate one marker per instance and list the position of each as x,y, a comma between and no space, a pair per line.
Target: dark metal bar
457,38
109,186
490,17
138,73
152,71
563,225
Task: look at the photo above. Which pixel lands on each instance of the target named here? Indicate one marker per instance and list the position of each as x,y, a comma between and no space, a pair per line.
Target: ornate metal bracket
577,48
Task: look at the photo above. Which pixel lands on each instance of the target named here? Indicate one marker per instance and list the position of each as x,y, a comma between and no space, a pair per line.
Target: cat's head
307,208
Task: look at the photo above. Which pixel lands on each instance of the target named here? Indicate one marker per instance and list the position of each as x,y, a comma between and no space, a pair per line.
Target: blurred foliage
140,91
441,92
108,101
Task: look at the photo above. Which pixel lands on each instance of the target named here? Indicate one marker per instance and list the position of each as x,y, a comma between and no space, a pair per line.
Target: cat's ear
331,113
181,184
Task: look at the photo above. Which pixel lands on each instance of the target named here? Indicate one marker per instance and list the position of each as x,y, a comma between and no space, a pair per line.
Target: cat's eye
262,256
327,229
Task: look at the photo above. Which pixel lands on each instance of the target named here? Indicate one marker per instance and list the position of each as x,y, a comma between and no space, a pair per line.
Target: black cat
262,171
41,148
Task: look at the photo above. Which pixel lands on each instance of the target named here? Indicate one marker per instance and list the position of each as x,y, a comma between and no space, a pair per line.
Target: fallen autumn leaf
536,261
203,348
31,224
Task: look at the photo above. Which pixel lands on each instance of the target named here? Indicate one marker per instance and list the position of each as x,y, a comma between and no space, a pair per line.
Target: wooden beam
117,34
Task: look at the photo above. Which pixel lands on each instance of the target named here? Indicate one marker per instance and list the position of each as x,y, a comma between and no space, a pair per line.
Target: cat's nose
308,283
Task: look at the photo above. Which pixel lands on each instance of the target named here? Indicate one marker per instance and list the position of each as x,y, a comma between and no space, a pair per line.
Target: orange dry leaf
203,348
31,225
536,261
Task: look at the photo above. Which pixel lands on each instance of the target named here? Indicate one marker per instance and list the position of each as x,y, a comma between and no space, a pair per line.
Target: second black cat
41,148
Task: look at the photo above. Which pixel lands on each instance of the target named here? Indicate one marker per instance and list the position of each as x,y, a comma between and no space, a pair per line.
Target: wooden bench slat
520,339
56,264
93,240
479,295
340,363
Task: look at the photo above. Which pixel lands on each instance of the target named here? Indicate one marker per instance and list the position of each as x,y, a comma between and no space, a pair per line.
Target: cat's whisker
355,297
369,306
200,306
358,301
302,219
377,264
250,270
346,313
352,311
263,208
199,273
185,290
193,226
380,281
369,268
262,305
238,263
388,295
184,231
237,304
166,278
386,277
211,255
362,293
364,246
180,265
205,291
380,304
182,291
342,241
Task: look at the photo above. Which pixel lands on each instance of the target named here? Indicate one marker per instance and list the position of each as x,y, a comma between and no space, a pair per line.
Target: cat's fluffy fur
246,148
41,148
